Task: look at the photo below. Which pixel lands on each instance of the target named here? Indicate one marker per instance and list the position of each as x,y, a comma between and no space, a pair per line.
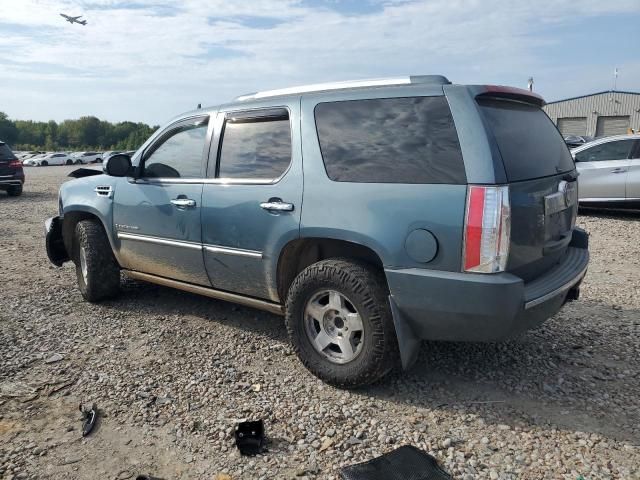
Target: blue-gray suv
371,214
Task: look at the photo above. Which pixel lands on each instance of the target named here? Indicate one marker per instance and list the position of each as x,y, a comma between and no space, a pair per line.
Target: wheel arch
298,254
71,219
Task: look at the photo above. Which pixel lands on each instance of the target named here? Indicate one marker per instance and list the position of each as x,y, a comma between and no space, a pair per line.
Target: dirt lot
172,372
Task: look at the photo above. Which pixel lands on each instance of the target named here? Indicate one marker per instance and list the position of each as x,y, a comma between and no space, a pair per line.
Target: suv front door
252,200
603,170
157,215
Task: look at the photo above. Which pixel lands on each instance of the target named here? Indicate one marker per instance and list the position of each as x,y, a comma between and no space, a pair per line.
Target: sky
149,60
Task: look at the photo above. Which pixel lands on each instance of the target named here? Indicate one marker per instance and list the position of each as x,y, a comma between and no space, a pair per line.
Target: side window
178,155
255,146
618,150
390,140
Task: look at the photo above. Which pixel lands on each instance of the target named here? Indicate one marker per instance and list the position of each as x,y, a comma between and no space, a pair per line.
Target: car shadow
555,376
166,301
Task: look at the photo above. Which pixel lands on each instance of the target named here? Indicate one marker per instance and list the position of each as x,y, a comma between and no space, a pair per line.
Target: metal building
597,115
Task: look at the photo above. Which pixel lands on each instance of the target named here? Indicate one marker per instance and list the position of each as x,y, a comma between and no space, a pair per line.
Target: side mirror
118,165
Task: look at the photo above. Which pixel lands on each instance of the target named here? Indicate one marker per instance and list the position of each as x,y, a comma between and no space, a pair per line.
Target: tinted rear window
530,144
5,152
391,140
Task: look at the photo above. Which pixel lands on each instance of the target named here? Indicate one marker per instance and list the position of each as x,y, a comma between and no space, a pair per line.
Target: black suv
11,172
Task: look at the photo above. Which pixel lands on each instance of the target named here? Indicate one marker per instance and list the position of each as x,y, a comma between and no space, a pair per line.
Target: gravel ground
172,373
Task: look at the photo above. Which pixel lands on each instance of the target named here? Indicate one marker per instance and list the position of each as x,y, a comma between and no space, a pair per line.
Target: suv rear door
542,181
603,169
252,198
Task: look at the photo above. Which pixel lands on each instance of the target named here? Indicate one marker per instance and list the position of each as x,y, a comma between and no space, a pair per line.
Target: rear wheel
44,163
70,162
97,270
78,162
339,322
14,190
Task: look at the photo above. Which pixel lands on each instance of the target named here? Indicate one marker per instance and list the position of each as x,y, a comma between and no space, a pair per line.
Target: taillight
15,164
487,229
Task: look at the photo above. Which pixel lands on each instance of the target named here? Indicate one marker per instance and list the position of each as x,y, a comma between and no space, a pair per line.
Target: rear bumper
476,307
56,250
7,181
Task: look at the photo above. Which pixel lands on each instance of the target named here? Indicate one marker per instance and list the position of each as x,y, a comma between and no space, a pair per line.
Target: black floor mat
404,463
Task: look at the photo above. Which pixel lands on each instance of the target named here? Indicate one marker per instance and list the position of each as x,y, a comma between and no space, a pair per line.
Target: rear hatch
542,181
6,156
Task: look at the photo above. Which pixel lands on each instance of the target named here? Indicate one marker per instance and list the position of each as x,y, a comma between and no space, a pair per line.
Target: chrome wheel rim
334,326
83,264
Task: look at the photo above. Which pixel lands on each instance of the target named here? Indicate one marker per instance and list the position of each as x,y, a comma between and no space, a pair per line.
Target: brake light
15,164
487,229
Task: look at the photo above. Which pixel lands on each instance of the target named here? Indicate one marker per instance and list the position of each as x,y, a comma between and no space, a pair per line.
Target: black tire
366,289
78,162
14,191
102,270
44,163
69,162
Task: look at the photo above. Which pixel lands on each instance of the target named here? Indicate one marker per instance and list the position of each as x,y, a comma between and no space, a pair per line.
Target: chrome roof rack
375,82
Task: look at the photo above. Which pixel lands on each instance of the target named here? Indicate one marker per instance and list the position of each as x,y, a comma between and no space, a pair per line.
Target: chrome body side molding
240,252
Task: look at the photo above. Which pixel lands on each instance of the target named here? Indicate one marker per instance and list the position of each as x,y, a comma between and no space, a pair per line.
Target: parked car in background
573,141
52,159
422,210
609,170
110,153
81,158
11,172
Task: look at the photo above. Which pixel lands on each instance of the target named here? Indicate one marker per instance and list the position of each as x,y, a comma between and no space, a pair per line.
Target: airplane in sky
71,19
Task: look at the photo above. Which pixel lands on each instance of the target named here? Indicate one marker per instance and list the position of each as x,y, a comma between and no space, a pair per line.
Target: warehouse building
597,115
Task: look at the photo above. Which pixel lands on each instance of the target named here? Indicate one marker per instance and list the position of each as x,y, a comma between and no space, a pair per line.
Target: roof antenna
199,106
530,84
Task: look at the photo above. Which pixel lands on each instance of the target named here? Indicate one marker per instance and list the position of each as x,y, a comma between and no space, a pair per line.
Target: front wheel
69,162
78,162
340,324
97,270
44,163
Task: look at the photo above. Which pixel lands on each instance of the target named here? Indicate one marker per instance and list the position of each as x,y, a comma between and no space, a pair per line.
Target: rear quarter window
390,140
5,152
530,144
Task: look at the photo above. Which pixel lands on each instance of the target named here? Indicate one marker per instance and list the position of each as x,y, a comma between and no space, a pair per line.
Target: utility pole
530,84
615,79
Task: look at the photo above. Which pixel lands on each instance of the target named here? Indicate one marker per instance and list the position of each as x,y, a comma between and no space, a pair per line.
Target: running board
207,292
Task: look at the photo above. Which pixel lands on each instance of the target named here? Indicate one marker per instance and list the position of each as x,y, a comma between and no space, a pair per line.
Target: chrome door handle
618,170
183,202
277,206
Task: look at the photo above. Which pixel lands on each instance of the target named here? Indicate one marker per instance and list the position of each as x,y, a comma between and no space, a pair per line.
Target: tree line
85,133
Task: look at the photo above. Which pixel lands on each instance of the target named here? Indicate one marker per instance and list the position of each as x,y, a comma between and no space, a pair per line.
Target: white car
86,157
53,159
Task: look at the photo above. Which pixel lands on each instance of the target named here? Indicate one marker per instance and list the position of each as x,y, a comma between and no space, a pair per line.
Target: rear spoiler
511,93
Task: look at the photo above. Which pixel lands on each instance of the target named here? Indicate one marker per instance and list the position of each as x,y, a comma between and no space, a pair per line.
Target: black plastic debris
404,463
250,438
147,477
89,417
84,172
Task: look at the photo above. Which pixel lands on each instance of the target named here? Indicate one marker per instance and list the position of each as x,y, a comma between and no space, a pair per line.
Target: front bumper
475,307
56,250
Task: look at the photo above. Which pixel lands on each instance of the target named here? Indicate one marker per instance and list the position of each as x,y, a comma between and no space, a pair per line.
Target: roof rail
375,82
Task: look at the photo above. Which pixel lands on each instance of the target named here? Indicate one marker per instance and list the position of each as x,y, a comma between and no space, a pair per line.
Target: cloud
149,60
